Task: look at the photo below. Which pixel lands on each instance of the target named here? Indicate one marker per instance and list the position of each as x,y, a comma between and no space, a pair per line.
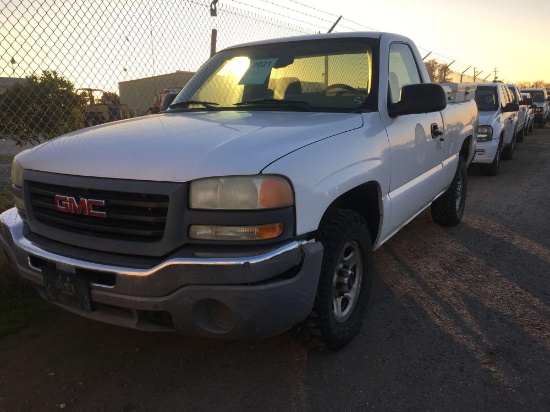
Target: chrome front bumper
194,293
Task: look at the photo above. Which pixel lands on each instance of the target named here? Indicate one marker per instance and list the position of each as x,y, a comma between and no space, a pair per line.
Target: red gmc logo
84,206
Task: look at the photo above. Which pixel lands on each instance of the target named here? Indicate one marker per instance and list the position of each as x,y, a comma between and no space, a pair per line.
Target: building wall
7,82
139,94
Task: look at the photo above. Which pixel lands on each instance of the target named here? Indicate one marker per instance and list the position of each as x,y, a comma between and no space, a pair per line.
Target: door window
402,70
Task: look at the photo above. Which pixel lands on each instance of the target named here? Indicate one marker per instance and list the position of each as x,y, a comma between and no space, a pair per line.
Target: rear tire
448,209
344,283
520,135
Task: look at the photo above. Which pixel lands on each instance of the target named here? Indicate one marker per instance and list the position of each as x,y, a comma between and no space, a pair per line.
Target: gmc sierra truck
253,203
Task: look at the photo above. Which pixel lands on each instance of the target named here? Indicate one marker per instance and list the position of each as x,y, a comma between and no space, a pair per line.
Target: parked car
522,112
540,99
530,120
254,202
496,133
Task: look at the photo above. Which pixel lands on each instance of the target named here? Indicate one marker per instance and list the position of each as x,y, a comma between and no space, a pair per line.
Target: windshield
313,75
486,99
537,95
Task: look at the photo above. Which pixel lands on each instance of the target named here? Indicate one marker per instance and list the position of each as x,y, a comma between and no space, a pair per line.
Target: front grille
129,216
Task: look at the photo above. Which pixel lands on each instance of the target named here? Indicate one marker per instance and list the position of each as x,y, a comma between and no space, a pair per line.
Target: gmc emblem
67,204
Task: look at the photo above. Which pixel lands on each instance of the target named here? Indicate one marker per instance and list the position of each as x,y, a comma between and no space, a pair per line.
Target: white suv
496,133
521,127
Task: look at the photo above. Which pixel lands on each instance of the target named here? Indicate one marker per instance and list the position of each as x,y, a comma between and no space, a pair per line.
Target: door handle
435,131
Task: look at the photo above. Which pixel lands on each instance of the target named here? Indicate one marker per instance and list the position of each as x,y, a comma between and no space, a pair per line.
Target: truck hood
487,118
179,147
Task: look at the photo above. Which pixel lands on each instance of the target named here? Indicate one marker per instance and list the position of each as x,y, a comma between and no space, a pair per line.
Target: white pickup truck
252,204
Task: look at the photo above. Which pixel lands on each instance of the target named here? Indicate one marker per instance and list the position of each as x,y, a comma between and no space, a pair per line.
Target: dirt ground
459,319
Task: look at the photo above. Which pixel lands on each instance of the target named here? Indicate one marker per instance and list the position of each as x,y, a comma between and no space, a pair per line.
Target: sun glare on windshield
235,67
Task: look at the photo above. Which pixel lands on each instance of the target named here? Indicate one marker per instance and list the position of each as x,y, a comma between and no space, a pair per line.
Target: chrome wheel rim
347,280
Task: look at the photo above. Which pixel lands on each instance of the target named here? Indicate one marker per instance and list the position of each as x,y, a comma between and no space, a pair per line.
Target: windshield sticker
258,71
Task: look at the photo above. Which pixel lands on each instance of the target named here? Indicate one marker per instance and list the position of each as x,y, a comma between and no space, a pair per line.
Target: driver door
416,146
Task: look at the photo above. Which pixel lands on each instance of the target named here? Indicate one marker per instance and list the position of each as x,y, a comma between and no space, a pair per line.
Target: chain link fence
68,65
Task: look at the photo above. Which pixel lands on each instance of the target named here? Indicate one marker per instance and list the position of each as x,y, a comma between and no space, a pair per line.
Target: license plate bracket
68,289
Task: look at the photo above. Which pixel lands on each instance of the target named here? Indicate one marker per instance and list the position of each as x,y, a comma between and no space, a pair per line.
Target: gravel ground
459,319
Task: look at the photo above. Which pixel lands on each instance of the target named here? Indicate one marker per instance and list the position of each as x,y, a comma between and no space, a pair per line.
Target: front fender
324,171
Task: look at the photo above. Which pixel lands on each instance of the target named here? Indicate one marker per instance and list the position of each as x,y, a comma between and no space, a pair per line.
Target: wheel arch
365,199
465,150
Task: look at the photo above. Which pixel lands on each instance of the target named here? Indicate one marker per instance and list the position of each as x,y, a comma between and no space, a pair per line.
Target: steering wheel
339,86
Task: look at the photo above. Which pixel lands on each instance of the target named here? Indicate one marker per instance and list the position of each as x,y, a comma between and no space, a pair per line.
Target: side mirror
167,101
548,99
510,107
526,102
419,98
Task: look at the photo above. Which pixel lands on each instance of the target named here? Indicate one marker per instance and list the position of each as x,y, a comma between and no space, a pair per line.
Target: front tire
508,151
493,168
344,283
448,209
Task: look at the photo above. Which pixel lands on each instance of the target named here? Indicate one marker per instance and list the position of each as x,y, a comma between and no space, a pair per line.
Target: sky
511,35
99,43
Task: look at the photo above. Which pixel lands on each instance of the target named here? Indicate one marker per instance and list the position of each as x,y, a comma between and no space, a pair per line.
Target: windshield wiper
208,105
292,103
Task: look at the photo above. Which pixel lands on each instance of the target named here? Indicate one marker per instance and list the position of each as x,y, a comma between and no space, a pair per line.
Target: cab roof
324,36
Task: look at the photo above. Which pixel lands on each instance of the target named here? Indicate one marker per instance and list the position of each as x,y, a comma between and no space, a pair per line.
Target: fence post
213,41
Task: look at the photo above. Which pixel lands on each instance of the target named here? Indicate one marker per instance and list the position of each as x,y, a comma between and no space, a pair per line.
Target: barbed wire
313,8
294,10
264,19
278,14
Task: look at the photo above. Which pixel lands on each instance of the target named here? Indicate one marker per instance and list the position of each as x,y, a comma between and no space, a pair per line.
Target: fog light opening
213,316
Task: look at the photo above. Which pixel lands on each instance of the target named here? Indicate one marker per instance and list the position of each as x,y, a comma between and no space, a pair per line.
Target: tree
111,97
40,108
533,85
439,73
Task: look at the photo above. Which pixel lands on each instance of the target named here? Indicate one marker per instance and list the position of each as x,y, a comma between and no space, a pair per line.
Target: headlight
16,174
17,182
241,193
484,133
